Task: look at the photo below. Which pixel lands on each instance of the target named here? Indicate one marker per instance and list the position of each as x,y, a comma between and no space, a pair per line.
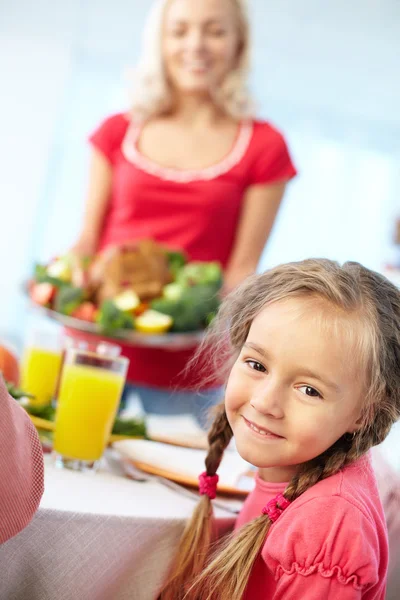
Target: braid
344,452
218,439
197,537
319,468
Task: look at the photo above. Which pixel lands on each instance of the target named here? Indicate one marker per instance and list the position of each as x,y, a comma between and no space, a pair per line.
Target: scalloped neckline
234,156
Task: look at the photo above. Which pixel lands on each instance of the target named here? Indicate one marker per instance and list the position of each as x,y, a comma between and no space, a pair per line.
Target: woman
21,467
188,166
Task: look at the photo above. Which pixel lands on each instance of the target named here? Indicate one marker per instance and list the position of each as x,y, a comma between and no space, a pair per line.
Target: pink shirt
330,544
21,467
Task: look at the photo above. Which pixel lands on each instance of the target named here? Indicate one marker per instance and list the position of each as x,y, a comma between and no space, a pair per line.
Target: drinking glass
89,394
40,367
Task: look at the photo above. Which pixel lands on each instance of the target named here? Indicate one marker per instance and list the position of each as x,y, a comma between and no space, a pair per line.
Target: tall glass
92,345
88,399
40,368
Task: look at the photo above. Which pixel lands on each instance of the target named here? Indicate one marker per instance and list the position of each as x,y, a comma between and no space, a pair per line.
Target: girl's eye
310,391
256,366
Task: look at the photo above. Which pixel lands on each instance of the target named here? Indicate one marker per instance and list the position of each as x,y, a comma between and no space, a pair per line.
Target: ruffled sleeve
314,587
325,548
108,136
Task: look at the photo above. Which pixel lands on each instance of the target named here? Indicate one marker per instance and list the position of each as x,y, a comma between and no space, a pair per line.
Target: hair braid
197,537
345,451
219,437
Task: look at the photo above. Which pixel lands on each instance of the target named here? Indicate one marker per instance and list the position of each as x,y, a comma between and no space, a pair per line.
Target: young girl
315,383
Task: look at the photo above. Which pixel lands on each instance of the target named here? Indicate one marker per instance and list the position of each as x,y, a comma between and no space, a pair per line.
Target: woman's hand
81,255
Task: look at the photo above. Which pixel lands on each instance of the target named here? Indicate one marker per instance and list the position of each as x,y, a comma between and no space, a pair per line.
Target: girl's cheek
235,395
233,384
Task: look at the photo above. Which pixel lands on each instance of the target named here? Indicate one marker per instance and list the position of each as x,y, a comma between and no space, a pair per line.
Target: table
104,537
96,537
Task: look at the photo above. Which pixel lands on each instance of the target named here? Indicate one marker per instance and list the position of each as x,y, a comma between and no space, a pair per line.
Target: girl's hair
152,94
355,293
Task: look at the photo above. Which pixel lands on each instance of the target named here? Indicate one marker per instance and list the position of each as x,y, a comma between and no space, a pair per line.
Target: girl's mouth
262,431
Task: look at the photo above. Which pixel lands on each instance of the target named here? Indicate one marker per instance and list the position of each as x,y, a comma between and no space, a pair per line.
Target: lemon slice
127,301
42,423
153,322
60,269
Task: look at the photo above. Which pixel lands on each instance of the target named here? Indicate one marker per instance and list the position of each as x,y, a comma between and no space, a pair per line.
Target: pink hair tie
208,485
275,507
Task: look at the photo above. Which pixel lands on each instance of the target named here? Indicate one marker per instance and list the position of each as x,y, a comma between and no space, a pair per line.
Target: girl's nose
268,400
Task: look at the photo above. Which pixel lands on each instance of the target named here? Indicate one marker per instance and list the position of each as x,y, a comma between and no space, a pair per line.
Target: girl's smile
267,434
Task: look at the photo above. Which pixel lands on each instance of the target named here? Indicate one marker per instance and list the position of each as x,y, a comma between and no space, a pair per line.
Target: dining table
112,534
100,536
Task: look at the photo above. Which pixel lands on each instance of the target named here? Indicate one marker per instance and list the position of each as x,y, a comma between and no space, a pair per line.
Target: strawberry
42,293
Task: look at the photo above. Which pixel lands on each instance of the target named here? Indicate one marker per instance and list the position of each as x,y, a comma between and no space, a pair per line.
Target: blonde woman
189,165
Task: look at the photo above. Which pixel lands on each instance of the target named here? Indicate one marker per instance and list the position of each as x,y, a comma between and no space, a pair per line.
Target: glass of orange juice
88,398
40,367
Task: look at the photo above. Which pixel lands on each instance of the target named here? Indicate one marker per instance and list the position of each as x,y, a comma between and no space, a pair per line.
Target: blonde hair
151,93
361,294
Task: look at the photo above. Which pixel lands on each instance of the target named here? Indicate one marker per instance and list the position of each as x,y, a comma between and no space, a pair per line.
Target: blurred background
325,74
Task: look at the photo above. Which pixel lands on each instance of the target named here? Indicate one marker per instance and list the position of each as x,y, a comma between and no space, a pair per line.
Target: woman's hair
152,94
359,295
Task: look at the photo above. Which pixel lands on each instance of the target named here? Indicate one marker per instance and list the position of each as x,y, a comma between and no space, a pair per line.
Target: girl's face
294,389
200,44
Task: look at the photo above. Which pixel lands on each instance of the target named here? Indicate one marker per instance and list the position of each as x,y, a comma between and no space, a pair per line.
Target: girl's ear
356,427
365,418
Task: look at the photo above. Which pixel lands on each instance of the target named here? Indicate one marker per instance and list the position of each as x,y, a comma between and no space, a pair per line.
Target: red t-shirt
196,211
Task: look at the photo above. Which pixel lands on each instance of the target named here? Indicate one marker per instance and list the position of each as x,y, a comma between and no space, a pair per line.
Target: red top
196,211
21,467
330,543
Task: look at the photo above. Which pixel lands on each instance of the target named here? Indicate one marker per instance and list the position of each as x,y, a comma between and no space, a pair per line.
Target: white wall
327,76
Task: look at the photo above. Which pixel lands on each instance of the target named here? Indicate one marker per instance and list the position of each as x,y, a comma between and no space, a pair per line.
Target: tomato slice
86,312
42,293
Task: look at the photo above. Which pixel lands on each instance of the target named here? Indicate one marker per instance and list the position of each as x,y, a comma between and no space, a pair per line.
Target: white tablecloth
96,537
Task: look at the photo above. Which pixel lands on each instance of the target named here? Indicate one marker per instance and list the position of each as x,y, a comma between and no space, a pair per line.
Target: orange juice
39,374
87,404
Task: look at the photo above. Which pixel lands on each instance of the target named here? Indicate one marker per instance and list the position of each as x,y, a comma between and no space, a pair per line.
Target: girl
315,383
188,165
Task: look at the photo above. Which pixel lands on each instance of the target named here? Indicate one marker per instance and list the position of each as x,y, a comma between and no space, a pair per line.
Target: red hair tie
275,507
208,485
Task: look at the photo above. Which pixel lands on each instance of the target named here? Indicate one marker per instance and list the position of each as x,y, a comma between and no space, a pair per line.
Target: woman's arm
261,205
21,467
100,179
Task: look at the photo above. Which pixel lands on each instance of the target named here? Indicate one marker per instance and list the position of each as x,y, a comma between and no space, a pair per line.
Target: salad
143,287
